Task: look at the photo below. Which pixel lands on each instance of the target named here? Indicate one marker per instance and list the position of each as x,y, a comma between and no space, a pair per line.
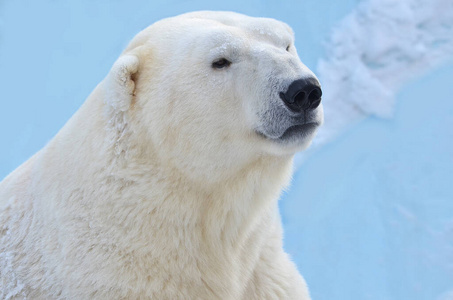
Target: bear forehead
238,20
229,24
263,28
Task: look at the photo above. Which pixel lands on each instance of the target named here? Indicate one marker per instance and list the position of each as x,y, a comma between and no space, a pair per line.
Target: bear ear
120,85
119,89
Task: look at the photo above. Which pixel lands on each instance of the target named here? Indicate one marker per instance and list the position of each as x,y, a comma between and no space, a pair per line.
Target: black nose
302,94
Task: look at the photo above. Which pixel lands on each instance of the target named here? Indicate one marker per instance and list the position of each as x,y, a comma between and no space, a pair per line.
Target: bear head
209,92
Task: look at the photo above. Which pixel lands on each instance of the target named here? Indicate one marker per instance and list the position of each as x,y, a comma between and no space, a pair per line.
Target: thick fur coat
164,184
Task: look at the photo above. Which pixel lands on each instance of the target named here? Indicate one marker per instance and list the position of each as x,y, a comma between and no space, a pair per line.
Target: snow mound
374,51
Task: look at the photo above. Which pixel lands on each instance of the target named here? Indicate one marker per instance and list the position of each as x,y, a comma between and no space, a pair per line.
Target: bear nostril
315,94
314,98
299,99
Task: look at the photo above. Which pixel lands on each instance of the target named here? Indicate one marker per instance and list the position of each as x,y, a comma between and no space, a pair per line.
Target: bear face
209,92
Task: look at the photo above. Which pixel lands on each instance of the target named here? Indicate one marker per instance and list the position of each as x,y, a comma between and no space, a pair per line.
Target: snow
377,49
370,211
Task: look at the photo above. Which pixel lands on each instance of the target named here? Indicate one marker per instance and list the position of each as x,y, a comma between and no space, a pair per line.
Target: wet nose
302,95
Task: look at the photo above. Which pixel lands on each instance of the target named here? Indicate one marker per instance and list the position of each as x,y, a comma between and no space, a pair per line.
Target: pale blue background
369,216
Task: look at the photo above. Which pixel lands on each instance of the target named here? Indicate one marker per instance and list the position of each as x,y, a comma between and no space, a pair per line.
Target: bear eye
221,63
287,47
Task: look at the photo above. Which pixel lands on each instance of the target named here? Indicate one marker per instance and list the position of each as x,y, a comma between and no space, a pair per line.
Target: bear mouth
294,133
298,132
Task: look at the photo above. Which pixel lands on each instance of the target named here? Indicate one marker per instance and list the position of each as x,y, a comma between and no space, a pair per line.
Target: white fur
158,187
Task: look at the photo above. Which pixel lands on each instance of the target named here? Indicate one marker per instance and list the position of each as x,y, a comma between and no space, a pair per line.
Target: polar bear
164,184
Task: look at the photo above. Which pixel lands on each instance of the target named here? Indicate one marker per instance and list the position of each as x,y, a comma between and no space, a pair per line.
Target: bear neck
224,212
